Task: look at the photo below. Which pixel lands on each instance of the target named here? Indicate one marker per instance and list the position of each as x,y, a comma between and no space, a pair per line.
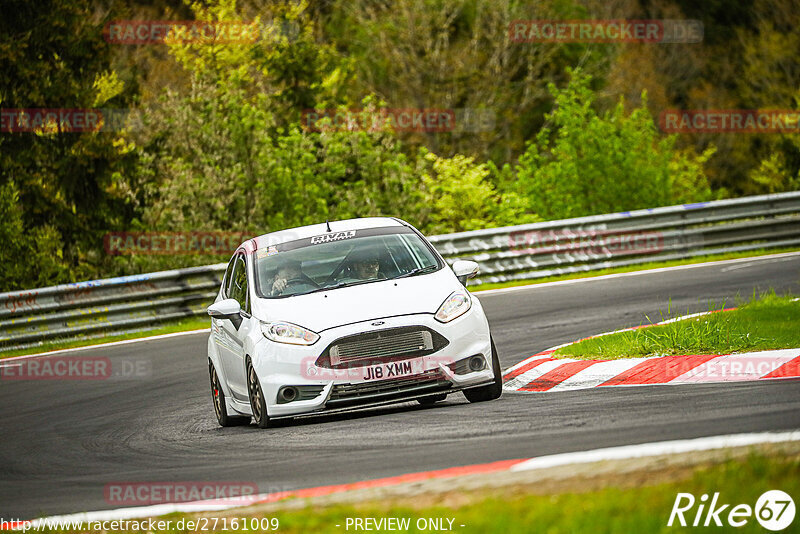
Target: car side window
238,288
226,282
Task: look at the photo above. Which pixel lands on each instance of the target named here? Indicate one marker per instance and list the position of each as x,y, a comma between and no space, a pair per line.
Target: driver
289,270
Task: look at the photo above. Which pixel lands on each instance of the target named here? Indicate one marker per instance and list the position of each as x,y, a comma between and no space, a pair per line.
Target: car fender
213,358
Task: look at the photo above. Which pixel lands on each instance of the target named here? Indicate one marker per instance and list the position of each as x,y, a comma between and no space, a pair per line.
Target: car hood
375,300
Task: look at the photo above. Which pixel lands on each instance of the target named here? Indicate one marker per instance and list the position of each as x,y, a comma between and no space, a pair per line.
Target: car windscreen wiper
325,288
335,286
418,270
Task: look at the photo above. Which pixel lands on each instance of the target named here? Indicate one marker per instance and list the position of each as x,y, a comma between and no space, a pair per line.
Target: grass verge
637,501
767,322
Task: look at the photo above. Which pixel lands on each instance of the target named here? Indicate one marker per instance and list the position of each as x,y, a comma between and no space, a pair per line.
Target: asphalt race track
63,441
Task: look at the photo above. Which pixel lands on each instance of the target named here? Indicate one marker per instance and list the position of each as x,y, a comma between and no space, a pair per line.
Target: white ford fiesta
345,315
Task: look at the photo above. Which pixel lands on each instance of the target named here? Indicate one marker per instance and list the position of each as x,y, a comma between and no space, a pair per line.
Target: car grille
308,392
386,389
381,346
388,345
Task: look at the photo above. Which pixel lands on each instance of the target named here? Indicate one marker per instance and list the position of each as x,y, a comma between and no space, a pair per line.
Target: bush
582,163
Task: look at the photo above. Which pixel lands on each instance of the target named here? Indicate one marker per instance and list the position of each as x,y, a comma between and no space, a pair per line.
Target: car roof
304,232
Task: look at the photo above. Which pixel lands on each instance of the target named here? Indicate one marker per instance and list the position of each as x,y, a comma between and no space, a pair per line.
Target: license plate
393,370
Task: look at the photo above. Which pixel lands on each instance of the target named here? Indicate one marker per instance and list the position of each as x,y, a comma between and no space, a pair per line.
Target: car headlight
456,305
282,332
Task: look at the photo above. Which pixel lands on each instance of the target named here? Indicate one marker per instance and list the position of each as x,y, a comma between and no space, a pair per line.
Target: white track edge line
109,344
655,449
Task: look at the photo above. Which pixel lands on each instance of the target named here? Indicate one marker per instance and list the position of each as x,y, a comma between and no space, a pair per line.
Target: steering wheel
295,281
333,278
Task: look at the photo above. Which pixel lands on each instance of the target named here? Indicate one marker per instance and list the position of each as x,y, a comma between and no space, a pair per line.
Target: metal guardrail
130,303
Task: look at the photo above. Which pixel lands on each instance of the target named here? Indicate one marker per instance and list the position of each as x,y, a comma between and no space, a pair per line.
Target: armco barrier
99,307
530,251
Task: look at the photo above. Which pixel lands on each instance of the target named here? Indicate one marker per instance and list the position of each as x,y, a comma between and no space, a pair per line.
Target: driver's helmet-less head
365,263
288,267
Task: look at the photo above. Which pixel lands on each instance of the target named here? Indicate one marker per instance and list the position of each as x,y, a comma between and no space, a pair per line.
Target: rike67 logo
774,510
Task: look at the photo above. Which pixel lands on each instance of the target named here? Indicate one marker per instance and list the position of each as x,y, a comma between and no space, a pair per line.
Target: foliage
772,176
218,157
50,57
457,54
586,163
29,256
221,145
746,60
457,196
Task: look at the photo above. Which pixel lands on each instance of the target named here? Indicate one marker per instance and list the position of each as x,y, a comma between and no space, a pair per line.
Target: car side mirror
227,309
465,270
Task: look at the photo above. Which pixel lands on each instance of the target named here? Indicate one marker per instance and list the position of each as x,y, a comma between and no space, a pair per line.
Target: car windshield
340,259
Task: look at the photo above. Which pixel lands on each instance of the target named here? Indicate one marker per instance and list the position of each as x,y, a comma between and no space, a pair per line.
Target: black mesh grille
381,346
392,344
308,392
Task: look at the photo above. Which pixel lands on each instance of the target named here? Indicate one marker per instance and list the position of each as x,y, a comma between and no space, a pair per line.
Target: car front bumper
280,365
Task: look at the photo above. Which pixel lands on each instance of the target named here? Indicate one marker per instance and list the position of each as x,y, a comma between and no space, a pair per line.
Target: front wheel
493,390
220,409
256,394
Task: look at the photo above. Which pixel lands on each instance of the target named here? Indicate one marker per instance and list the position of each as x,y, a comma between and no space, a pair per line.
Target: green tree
457,195
52,55
225,153
457,54
585,163
28,256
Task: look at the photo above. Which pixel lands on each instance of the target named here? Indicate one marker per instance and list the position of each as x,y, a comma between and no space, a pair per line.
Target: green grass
765,323
640,506
636,268
184,325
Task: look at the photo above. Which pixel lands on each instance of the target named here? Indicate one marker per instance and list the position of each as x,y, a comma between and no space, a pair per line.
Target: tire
493,390
427,401
256,394
218,399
